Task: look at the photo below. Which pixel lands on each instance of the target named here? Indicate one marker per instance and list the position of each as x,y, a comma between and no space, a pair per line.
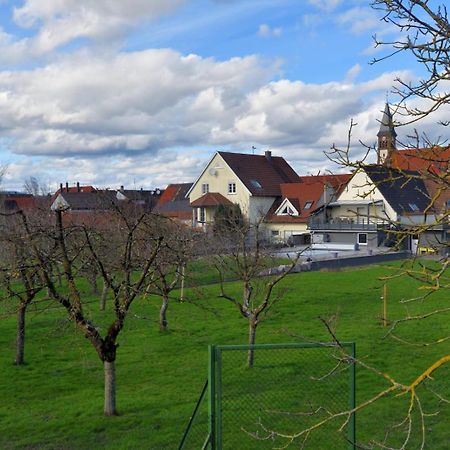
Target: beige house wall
284,230
360,187
218,175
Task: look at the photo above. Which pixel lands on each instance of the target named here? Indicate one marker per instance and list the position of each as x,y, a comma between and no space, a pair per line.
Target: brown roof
262,175
211,199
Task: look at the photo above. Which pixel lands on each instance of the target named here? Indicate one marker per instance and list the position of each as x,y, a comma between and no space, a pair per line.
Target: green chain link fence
290,388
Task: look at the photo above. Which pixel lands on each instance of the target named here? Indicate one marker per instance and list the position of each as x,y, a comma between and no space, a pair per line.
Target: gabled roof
261,174
404,190
211,199
309,190
173,202
86,201
149,198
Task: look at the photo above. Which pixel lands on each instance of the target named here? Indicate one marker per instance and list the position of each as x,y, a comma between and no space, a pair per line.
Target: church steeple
386,137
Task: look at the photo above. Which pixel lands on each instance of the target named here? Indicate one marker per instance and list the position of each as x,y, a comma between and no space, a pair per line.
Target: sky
141,93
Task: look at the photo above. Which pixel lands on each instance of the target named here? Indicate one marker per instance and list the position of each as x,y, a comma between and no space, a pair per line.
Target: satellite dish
212,171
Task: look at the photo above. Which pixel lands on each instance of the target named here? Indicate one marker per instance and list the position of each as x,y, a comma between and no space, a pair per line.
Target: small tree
243,254
135,248
18,277
170,264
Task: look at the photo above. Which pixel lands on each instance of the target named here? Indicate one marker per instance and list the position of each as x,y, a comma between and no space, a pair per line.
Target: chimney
121,187
78,186
60,187
67,186
268,155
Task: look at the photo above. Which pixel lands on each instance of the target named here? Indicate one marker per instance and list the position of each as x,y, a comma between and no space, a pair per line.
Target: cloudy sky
142,92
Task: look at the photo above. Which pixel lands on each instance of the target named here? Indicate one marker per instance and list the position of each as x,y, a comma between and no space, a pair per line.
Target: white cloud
266,31
124,118
325,5
58,22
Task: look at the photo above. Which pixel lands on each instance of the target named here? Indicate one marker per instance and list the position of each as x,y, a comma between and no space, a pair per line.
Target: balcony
345,224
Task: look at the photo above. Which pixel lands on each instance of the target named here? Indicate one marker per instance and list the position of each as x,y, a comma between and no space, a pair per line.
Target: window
232,188
256,184
275,233
287,211
362,238
413,207
205,188
308,205
201,215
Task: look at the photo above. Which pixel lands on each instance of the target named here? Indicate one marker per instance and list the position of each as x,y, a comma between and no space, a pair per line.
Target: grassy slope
55,401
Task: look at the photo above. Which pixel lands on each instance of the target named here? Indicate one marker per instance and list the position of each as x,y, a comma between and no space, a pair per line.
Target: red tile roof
173,202
211,199
434,160
310,189
262,175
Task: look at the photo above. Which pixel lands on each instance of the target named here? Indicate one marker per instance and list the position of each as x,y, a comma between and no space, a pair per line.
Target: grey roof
387,124
404,190
82,201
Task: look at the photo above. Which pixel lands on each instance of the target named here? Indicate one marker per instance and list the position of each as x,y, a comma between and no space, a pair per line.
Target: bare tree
34,186
424,32
239,250
170,264
18,277
135,248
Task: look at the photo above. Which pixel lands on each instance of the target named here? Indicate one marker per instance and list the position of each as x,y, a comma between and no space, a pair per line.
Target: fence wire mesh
288,391
196,436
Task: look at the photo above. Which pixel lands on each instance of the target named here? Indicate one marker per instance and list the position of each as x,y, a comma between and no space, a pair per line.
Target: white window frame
367,238
205,188
232,188
201,215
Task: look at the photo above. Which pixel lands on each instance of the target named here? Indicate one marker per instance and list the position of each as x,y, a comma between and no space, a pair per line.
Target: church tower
386,137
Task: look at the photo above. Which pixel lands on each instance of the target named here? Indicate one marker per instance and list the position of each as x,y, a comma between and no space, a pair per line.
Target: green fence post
212,395
352,399
218,399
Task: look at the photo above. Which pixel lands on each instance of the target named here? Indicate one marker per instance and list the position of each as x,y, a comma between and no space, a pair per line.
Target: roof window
413,207
256,184
308,204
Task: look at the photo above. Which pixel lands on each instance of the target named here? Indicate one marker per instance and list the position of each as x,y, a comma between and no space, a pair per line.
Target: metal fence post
352,399
212,395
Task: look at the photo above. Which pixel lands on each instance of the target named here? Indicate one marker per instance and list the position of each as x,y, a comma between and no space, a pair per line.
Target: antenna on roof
253,149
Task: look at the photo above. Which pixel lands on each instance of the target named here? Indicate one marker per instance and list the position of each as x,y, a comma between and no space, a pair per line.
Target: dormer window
286,209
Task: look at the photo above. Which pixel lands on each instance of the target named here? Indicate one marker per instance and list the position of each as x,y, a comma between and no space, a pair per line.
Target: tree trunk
183,270
110,388
20,338
104,295
253,323
163,313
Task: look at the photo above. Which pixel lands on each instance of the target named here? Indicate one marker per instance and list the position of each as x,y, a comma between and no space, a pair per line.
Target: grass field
55,401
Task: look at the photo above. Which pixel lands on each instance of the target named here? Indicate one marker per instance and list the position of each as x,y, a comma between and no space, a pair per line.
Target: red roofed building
288,217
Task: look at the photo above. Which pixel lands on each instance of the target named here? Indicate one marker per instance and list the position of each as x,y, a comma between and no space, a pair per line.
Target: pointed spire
387,124
386,138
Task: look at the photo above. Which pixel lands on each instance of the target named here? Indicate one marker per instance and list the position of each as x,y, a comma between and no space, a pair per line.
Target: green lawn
56,400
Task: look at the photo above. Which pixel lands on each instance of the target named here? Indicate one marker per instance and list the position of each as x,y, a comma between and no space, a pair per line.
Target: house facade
250,181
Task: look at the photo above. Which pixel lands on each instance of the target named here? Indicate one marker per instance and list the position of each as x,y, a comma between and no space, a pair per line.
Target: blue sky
141,93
